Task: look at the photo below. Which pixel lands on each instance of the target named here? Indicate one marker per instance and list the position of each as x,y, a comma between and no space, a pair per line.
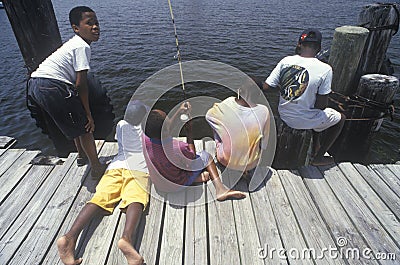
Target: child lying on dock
175,164
126,179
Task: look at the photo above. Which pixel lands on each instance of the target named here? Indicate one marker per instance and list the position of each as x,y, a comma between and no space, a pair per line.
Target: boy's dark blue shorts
62,102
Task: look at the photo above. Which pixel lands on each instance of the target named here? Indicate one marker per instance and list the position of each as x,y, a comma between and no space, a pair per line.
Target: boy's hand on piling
90,124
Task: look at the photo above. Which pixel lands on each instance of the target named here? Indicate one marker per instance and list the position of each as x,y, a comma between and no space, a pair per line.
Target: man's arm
321,101
82,87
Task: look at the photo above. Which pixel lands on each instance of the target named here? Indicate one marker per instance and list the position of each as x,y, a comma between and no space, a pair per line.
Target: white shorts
329,117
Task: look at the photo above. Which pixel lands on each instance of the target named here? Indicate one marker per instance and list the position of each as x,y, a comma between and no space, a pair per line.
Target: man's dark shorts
62,102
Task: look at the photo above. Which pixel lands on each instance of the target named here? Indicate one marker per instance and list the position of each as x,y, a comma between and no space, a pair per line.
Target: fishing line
184,117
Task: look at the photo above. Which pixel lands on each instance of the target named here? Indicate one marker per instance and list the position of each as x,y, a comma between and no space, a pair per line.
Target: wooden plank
172,251
8,158
311,223
196,221
85,194
289,229
266,225
384,192
377,206
223,243
116,256
388,177
395,168
49,223
365,221
13,243
7,142
22,197
246,227
15,173
152,226
196,226
335,216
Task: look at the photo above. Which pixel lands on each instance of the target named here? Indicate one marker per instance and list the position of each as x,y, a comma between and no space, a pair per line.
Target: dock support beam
346,51
35,28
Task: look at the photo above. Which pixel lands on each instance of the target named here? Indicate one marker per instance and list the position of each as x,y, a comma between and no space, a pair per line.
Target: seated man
305,83
173,164
241,129
125,180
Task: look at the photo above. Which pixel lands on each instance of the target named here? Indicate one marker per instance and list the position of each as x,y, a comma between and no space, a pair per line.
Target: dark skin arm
82,87
185,108
321,102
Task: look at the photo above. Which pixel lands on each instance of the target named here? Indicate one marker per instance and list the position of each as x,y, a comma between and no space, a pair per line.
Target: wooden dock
351,208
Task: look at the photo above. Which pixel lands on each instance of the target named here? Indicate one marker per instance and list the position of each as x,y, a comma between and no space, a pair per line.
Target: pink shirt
166,176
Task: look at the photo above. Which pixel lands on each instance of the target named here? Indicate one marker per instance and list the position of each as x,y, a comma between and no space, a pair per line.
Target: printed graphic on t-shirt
293,82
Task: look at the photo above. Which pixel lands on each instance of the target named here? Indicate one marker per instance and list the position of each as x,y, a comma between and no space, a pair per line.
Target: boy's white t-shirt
130,149
300,79
240,132
73,56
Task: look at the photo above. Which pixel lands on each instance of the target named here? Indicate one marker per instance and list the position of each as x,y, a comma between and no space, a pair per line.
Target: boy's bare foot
66,251
230,194
323,161
131,255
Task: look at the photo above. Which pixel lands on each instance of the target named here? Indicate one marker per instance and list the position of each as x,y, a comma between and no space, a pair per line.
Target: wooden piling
35,28
364,117
346,50
293,147
382,22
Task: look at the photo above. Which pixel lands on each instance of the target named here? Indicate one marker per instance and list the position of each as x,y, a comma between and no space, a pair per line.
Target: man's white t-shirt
300,79
73,56
130,149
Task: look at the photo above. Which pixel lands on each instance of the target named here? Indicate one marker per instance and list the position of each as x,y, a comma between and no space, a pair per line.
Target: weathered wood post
365,114
382,20
293,148
35,28
346,51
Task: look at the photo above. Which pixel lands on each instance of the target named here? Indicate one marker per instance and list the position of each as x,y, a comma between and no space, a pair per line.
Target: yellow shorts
123,185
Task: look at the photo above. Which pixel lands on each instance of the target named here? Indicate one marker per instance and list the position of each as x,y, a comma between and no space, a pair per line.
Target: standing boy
175,164
305,84
59,86
125,180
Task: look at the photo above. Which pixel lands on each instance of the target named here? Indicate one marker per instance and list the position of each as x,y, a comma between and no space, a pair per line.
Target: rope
357,101
394,26
178,53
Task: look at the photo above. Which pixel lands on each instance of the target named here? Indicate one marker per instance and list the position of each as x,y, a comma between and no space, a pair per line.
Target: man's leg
223,193
66,243
133,214
329,137
82,157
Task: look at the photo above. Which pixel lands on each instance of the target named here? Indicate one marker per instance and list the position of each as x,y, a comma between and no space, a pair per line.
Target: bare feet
66,251
323,161
131,255
229,194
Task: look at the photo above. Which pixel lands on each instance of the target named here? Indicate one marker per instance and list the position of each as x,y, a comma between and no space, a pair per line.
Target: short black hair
154,124
75,15
135,113
313,45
